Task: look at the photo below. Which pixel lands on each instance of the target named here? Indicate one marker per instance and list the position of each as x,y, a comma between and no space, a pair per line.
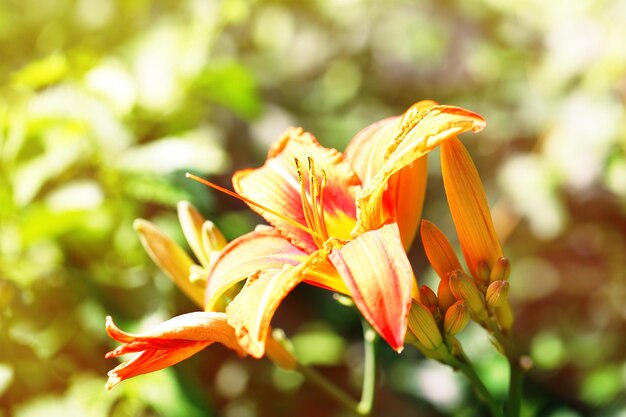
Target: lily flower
341,222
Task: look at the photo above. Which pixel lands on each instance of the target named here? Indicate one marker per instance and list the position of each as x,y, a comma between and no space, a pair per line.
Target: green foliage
104,105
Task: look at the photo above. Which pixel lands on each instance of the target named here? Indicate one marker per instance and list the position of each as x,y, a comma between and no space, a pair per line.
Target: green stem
515,388
516,375
369,370
463,363
481,391
363,407
328,387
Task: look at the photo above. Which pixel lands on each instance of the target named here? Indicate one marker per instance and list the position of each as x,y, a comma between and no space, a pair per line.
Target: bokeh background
104,104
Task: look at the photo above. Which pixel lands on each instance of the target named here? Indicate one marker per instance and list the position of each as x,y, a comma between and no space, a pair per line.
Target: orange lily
341,222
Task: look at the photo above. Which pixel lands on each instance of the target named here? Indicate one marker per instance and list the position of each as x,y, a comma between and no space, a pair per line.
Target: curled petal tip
113,381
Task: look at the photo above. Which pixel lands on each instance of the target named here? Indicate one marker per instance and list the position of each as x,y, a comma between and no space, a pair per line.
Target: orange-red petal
275,185
167,344
420,129
378,274
468,206
262,250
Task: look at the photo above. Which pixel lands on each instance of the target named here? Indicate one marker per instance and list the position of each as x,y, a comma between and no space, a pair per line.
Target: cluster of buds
481,294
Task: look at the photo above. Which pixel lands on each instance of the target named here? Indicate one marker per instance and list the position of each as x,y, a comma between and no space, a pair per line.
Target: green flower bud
456,318
497,293
501,270
424,327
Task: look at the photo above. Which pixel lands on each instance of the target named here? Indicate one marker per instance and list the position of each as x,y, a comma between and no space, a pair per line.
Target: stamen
306,208
313,233
314,187
322,220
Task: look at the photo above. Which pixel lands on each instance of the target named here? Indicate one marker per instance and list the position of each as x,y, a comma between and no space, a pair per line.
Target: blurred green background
104,104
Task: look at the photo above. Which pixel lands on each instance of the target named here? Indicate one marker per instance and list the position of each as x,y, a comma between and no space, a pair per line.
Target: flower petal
468,206
170,257
276,186
403,196
420,129
378,274
169,343
262,250
252,309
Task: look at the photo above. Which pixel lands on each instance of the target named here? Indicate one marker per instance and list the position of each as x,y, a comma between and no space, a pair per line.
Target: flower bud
497,293
213,241
170,257
456,318
483,273
198,276
444,295
505,316
191,222
464,288
428,298
501,270
424,327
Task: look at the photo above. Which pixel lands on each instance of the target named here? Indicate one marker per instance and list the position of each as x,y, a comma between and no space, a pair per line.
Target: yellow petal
251,312
366,151
262,250
468,206
420,129
170,257
403,196
438,250
378,274
324,275
275,185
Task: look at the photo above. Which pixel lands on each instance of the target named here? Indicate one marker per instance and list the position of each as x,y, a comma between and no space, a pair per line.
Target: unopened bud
464,288
198,275
501,270
456,318
497,293
213,241
444,295
505,316
424,327
428,298
483,272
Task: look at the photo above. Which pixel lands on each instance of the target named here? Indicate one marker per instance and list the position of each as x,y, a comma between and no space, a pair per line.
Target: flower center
313,200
